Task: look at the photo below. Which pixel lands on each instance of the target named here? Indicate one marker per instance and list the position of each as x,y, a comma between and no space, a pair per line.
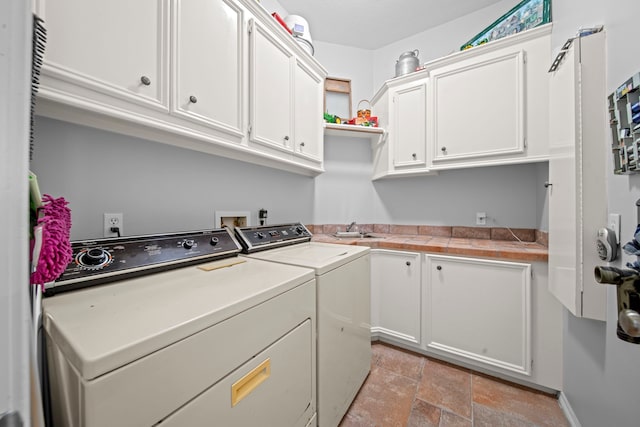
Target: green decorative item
526,15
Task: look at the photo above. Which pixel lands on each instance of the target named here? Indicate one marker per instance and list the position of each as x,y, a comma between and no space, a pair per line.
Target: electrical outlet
113,220
481,218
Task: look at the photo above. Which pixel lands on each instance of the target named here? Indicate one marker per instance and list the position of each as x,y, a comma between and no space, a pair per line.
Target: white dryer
343,277
229,341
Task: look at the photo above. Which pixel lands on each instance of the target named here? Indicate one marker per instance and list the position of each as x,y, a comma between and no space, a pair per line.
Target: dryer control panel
106,260
259,238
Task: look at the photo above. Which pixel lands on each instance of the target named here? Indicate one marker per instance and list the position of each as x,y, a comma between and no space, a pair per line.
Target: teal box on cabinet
524,16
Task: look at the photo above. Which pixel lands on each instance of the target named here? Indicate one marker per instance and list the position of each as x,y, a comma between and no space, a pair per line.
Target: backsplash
487,233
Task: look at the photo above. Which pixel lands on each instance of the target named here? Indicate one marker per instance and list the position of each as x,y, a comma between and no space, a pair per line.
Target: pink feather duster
55,253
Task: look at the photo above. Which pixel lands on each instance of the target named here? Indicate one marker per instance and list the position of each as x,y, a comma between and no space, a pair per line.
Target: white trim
568,410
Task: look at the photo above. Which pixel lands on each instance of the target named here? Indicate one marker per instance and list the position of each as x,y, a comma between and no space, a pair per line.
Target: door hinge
250,26
524,142
531,365
249,129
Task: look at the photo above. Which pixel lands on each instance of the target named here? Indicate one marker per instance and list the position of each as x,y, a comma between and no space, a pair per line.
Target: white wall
159,188
601,372
436,42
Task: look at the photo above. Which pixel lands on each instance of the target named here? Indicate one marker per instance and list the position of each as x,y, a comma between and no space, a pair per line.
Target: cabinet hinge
524,142
250,26
524,57
531,365
249,129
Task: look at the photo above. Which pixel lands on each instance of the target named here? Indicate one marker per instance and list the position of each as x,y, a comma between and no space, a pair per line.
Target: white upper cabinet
488,105
207,74
577,176
116,48
213,76
402,111
271,92
308,141
285,100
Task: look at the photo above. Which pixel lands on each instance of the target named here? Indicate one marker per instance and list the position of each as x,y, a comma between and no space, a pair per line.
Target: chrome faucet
350,226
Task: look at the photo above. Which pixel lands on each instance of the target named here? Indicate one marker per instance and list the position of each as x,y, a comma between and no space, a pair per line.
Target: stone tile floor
405,389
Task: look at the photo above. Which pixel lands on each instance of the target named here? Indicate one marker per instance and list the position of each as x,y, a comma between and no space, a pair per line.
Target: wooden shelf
353,131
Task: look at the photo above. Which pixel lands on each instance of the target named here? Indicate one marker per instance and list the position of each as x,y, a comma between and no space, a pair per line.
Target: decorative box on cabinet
396,295
577,176
479,310
401,109
488,105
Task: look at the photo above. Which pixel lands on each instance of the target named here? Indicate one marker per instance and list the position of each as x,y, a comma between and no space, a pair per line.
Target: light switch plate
614,224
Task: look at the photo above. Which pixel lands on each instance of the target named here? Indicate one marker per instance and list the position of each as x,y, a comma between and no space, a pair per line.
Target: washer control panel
259,238
107,260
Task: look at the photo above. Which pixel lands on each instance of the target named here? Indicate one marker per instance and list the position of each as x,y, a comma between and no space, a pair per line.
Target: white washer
229,342
343,308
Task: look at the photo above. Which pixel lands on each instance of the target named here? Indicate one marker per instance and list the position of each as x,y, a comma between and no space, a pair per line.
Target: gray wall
159,188
601,372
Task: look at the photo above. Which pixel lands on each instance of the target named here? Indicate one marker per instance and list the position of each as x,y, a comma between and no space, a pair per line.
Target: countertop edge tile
498,249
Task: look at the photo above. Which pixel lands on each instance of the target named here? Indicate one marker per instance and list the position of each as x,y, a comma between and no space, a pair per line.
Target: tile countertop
469,241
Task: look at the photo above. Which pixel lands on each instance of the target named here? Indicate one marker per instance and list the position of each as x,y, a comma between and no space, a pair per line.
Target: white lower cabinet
480,310
395,295
493,316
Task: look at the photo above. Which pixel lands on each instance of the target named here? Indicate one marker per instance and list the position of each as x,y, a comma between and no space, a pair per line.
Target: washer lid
323,257
102,328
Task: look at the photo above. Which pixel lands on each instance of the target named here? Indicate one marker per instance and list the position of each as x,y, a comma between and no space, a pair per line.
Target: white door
308,113
15,329
116,47
396,295
564,248
207,78
479,310
477,107
271,90
409,126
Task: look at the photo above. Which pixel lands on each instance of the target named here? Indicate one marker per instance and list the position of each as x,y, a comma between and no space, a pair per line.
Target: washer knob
299,229
188,244
261,235
214,241
95,256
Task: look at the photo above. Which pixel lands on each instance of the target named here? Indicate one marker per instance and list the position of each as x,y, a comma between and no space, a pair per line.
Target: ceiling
370,24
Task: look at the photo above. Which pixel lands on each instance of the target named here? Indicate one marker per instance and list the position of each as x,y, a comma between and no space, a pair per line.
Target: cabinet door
577,174
477,107
118,48
308,113
409,126
395,295
479,310
207,74
271,72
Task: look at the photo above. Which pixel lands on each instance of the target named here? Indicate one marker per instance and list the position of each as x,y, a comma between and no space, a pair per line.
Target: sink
347,234
355,235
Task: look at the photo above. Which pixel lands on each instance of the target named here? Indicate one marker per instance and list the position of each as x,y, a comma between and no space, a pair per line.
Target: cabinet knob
414,155
548,184
439,267
286,138
302,144
408,262
443,149
193,99
145,80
